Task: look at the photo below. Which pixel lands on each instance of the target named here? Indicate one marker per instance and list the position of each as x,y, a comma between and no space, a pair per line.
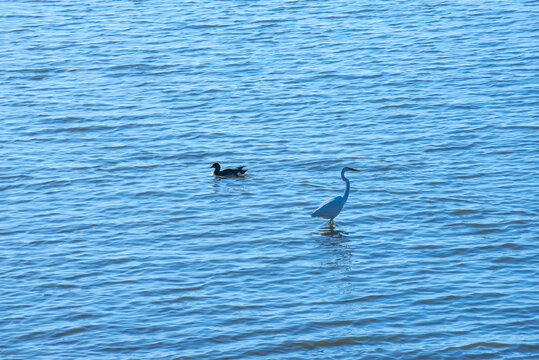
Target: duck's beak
354,169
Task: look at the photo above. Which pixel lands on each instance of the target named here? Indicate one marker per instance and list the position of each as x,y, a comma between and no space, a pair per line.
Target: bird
235,171
332,207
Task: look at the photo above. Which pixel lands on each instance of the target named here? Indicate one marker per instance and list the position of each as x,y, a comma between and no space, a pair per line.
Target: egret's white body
332,207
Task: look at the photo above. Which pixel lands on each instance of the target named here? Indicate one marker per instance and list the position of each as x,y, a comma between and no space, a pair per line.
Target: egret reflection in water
330,230
334,242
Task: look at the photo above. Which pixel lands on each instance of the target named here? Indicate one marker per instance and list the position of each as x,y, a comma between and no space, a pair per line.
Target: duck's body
235,171
332,207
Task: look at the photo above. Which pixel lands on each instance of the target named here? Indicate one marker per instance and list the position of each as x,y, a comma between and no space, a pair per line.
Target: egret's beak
353,169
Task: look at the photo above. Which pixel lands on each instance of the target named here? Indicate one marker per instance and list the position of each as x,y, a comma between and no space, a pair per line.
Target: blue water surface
117,243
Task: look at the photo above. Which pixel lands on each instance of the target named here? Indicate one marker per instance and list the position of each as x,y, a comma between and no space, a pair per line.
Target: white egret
236,171
331,208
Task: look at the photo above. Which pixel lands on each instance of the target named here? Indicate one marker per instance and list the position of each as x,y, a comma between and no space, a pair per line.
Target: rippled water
118,243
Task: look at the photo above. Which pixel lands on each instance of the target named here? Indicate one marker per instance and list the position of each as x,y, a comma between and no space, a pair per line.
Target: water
117,242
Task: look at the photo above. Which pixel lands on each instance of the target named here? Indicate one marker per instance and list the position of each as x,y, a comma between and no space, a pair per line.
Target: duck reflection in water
237,185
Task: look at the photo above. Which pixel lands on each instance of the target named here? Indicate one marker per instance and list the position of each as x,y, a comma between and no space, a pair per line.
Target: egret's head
346,168
216,166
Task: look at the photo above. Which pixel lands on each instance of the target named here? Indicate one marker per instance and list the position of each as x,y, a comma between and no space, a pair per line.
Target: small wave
470,176
349,340
471,130
487,231
450,148
74,228
519,127
474,225
339,323
464,212
492,345
354,300
448,199
430,183
74,129
398,106
69,332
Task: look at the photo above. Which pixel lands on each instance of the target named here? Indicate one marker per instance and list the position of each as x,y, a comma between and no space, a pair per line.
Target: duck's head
216,166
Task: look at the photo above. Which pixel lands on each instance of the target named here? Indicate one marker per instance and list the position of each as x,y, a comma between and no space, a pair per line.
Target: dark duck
235,171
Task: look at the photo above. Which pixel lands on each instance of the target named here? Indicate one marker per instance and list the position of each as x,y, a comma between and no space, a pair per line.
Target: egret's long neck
347,191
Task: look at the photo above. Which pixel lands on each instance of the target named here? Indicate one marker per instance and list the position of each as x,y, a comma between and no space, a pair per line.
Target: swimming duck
236,171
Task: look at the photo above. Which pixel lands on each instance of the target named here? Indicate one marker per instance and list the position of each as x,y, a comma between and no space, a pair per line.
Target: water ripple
118,243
